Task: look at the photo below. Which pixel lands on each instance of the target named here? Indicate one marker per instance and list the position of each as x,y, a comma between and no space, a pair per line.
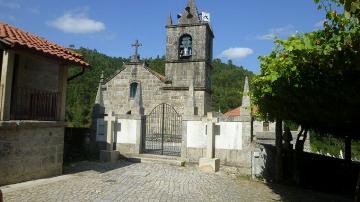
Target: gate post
162,129
140,120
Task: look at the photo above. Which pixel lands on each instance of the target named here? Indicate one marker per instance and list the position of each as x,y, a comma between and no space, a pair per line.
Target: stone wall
117,93
30,150
201,38
232,146
258,126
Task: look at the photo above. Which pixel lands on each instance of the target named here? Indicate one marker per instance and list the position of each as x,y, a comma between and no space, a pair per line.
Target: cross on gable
137,44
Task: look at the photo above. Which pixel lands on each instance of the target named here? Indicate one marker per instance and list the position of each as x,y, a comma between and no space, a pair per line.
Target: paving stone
123,181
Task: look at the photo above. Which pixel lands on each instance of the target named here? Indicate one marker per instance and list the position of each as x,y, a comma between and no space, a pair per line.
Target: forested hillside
227,84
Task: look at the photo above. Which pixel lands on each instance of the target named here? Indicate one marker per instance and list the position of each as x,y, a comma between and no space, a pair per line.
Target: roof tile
19,38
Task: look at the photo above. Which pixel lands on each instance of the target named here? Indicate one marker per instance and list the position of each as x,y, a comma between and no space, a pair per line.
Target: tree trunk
278,143
348,149
1,197
299,145
357,190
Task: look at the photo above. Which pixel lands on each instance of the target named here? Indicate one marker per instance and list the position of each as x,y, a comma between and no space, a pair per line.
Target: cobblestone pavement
125,181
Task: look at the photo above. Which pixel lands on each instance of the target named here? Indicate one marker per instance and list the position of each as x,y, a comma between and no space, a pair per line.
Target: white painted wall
196,137
230,135
258,126
126,131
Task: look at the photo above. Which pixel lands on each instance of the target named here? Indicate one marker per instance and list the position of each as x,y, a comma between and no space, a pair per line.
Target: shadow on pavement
95,166
296,194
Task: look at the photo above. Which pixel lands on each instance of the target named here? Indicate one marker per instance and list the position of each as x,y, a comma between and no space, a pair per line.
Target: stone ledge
31,124
209,165
109,156
148,158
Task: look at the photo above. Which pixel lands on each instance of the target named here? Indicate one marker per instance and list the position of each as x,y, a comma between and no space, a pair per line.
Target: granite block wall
28,153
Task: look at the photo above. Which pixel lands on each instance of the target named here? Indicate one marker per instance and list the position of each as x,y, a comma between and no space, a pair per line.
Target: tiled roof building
19,39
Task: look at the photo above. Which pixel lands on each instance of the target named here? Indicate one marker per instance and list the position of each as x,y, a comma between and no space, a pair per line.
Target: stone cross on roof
136,56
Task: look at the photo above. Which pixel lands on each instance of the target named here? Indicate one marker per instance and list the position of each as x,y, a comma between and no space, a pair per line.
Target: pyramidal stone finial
246,85
99,100
102,77
246,105
138,108
190,14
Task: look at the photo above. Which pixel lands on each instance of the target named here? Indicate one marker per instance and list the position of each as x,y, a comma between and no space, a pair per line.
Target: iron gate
163,131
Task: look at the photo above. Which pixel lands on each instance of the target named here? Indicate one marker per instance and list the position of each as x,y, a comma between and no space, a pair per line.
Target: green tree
312,79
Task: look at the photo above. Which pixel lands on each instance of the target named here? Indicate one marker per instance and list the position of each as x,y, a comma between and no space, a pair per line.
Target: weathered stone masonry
30,151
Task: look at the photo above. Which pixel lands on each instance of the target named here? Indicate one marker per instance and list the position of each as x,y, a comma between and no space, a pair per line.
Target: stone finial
246,105
246,85
111,119
169,20
190,14
138,108
99,100
102,77
190,104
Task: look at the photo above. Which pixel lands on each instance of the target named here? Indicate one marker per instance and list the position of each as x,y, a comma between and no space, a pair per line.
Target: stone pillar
109,155
7,71
62,89
137,107
110,118
190,102
245,115
210,163
210,132
140,127
245,109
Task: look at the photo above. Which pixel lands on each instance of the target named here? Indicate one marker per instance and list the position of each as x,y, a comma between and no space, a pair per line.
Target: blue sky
243,29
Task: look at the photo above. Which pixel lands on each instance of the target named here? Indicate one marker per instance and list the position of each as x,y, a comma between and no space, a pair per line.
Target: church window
185,47
133,88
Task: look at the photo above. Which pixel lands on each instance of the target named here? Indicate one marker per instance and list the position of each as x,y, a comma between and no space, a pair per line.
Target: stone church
186,85
147,113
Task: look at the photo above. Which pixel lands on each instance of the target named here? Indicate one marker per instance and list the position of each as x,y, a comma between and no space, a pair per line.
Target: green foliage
227,85
327,144
157,64
81,92
332,145
227,80
312,79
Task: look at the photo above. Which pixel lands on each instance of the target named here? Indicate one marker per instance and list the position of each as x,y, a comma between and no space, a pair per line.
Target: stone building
33,79
150,113
188,65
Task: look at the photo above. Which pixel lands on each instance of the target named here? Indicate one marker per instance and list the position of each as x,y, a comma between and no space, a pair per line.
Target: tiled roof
234,112
18,38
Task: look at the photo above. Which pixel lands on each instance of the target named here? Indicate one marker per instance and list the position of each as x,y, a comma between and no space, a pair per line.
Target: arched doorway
163,131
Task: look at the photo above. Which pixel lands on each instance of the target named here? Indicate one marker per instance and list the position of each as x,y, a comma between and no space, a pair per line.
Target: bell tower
189,51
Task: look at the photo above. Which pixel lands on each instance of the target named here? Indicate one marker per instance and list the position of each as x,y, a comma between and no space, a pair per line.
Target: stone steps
148,158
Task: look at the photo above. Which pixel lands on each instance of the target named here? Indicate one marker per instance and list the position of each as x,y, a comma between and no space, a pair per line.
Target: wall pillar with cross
210,163
109,155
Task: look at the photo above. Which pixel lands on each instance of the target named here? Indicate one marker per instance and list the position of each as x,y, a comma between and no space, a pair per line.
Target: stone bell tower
189,49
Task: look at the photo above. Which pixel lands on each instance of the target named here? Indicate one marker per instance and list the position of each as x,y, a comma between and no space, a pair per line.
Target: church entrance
163,131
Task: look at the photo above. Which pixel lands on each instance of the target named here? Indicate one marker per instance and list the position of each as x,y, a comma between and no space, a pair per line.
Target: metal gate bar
163,131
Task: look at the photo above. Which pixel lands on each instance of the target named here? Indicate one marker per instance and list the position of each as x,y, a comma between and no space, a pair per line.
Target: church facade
139,111
186,84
